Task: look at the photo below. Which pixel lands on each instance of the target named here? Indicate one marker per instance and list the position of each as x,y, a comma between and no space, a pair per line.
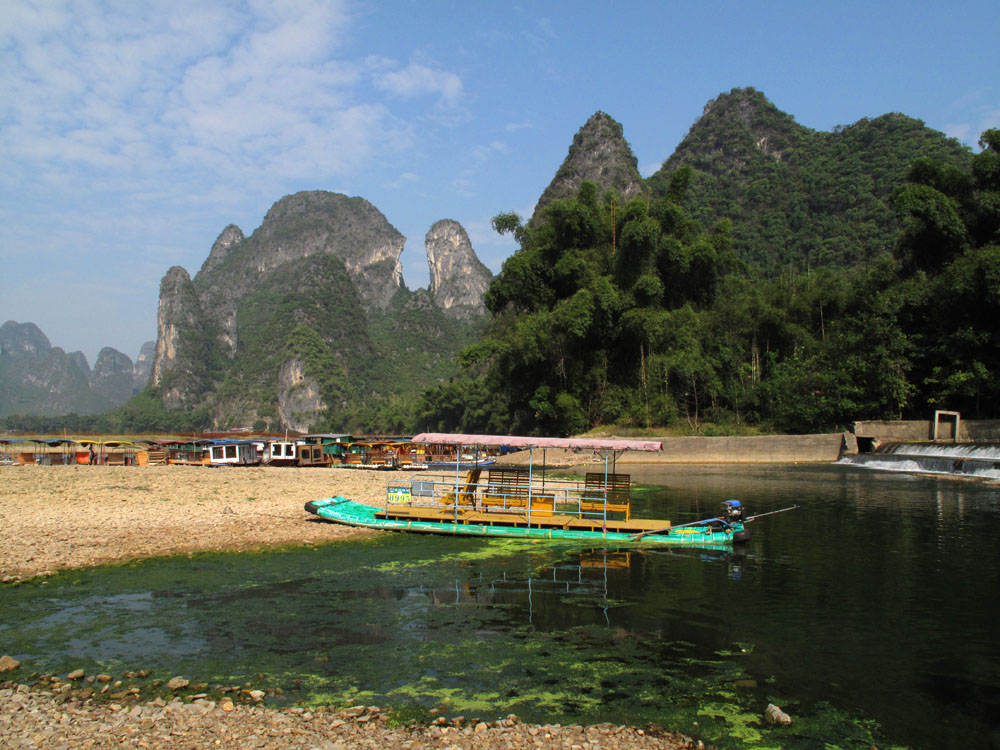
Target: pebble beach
61,517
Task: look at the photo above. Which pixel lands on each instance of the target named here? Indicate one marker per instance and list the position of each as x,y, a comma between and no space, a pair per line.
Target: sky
132,133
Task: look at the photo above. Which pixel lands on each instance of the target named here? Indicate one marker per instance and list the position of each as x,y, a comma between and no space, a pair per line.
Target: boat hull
342,510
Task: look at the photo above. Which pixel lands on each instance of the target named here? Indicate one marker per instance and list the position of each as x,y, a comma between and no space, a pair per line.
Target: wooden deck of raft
503,498
520,520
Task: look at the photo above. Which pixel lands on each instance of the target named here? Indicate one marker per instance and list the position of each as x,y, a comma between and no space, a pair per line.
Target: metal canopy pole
531,454
458,462
605,524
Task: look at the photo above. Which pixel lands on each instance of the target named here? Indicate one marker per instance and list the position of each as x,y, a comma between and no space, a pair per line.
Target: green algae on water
552,634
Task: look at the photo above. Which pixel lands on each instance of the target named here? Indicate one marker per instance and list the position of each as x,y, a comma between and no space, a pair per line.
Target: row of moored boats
319,449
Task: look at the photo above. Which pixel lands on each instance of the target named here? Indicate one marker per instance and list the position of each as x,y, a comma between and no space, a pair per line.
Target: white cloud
418,79
182,93
149,126
485,152
464,183
988,120
969,132
512,127
404,180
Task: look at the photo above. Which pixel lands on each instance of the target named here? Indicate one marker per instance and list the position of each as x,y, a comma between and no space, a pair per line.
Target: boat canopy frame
610,448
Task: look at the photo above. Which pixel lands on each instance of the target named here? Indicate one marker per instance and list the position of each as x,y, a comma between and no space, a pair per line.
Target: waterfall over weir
958,459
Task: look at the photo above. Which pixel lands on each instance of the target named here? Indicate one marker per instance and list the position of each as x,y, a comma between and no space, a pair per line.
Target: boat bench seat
506,488
618,493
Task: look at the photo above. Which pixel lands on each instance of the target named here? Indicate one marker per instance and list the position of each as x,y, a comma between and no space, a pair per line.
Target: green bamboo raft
715,533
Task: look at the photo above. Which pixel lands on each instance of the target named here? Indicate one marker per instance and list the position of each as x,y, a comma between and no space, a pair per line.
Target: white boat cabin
235,453
281,452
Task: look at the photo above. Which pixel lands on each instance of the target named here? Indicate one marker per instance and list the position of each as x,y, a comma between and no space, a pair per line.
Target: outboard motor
734,511
734,515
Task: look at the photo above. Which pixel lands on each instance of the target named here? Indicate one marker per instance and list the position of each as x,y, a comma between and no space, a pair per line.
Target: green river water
868,614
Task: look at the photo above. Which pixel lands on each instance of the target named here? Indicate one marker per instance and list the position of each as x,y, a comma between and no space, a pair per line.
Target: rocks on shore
36,717
8,663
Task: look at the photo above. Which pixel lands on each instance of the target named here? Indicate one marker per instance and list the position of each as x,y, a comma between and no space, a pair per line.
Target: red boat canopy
513,441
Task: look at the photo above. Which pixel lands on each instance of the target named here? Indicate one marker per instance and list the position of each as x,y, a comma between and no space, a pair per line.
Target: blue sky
132,133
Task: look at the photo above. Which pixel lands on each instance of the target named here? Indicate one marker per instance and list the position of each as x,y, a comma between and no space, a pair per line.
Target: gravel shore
35,718
59,517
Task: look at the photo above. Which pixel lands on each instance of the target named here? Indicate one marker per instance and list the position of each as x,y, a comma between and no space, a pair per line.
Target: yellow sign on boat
399,495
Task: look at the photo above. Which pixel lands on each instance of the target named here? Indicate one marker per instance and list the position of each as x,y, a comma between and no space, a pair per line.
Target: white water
986,452
967,460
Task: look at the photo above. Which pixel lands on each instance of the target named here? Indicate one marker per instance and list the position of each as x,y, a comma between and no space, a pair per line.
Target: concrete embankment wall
712,450
753,449
918,430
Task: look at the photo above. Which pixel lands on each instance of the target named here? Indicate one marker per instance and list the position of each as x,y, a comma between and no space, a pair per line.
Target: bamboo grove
631,313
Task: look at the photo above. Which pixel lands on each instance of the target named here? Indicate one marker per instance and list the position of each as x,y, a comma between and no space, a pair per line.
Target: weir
957,459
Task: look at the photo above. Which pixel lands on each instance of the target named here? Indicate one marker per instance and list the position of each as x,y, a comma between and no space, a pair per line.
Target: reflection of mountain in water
973,460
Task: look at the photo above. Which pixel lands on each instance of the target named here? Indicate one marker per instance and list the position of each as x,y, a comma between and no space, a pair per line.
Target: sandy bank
57,517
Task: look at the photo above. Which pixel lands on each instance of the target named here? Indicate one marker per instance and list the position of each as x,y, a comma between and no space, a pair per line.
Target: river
868,614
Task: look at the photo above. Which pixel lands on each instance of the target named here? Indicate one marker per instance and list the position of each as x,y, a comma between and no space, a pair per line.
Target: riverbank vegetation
631,313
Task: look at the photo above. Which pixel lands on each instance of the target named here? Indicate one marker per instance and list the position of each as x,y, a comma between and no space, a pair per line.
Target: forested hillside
632,313
796,195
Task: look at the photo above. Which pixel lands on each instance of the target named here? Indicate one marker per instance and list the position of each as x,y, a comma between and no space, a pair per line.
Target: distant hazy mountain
37,378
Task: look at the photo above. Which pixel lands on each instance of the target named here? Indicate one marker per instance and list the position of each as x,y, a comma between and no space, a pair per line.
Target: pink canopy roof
513,441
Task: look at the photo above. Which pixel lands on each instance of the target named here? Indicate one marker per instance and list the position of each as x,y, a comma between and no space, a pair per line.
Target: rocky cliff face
601,154
309,313
231,236
198,320
300,226
458,280
305,224
80,360
736,130
186,348
19,339
143,366
299,398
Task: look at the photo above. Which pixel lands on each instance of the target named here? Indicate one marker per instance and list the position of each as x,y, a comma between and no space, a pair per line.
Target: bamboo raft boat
520,503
